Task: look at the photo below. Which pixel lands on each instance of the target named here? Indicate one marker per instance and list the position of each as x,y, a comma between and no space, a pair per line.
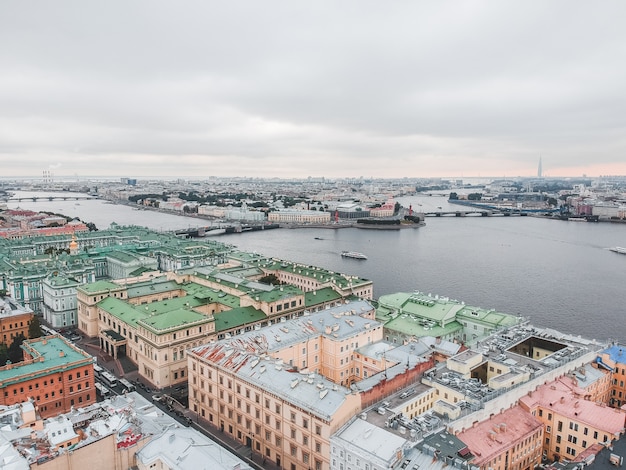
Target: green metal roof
173,319
277,293
98,287
423,315
316,297
237,317
421,306
124,311
153,286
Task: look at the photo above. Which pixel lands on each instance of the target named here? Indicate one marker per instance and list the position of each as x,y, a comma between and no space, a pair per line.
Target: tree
4,354
453,196
269,279
34,328
15,350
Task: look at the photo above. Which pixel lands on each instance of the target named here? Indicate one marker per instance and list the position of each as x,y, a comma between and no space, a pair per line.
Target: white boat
353,254
619,249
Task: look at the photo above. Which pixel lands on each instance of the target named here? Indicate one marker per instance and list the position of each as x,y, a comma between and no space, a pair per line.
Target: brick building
14,320
55,374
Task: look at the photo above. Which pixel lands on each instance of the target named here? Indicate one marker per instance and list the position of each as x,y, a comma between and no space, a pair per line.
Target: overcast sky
320,88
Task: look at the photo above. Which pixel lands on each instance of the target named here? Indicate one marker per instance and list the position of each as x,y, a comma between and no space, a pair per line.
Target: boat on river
618,249
353,254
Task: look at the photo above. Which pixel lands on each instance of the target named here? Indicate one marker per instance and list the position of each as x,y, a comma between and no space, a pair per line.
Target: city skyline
322,90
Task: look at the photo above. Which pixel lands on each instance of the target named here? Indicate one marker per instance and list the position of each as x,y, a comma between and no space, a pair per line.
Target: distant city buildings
296,364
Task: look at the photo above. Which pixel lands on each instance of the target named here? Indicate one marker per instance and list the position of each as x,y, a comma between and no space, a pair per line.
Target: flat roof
617,353
57,354
371,440
174,318
99,286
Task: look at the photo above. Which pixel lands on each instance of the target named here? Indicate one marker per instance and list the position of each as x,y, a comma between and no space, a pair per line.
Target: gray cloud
289,89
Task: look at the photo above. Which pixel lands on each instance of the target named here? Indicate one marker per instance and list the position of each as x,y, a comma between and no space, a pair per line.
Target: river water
559,274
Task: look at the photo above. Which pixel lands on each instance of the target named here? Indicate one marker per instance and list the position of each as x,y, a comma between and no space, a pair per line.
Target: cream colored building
572,423
510,440
153,323
154,320
300,217
282,390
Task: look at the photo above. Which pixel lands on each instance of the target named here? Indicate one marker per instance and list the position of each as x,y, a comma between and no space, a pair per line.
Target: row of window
11,325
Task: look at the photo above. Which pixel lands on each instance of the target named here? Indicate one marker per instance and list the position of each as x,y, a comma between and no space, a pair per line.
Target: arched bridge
52,198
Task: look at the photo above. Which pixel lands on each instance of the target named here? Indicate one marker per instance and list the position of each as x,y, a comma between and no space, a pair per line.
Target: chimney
562,399
61,353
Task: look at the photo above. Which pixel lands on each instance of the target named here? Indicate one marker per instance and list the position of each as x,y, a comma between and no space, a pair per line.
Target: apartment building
55,374
283,390
14,320
572,423
613,359
117,434
511,440
594,384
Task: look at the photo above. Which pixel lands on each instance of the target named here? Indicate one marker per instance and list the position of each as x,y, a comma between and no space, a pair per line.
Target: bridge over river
68,197
473,212
211,230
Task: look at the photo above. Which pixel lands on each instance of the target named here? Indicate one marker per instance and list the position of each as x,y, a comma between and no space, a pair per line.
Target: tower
539,169
73,245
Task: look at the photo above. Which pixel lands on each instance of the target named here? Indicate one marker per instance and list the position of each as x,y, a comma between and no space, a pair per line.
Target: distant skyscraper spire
539,169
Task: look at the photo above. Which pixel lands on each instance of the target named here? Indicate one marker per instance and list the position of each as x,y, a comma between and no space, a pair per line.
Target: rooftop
99,287
491,437
560,397
128,418
616,353
9,308
247,355
50,354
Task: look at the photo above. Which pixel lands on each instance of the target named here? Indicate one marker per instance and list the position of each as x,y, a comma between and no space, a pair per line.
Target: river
559,274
